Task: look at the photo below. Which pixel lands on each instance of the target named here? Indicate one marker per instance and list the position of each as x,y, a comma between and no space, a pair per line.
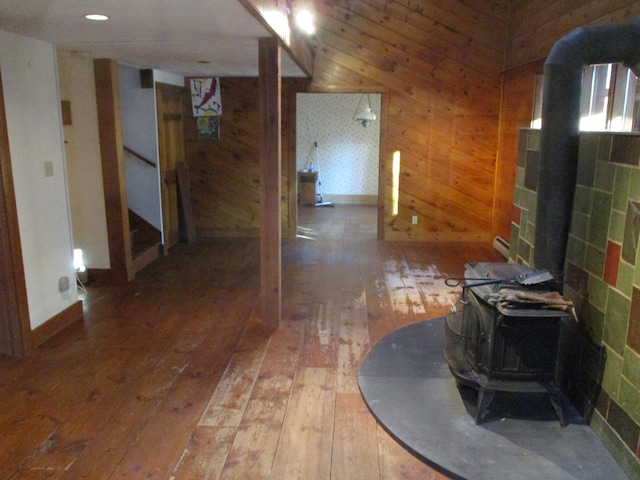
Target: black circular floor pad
408,387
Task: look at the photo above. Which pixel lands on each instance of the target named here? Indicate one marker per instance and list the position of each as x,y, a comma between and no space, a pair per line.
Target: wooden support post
270,156
113,177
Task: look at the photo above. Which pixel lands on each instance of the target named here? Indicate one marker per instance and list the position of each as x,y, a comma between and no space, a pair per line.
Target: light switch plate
48,169
63,284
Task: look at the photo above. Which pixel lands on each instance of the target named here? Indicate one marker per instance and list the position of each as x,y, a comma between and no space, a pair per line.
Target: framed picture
208,128
205,97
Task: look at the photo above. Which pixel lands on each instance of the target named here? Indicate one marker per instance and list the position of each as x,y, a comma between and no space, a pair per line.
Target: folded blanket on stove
511,298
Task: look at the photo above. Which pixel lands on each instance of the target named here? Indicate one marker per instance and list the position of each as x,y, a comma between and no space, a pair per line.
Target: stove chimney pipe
562,90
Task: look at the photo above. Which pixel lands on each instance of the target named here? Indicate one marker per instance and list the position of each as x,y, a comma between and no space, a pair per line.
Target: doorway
343,153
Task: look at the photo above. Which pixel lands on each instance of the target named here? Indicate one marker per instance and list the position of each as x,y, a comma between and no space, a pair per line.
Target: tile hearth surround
602,277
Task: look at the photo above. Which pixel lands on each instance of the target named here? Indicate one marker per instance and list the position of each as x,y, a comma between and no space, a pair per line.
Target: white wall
84,165
348,154
140,133
34,125
169,78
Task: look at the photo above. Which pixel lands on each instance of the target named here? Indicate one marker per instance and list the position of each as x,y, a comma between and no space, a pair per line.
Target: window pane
610,99
536,117
624,94
636,110
595,97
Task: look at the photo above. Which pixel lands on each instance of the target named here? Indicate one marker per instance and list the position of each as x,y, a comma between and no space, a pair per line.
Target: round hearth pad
408,387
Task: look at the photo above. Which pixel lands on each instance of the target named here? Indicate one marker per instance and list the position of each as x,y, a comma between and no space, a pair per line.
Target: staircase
146,241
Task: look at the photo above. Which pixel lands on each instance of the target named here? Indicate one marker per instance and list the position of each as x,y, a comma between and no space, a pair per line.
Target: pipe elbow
566,51
598,44
634,62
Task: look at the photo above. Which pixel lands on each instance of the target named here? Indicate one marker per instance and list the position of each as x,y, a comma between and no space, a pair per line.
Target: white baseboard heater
501,246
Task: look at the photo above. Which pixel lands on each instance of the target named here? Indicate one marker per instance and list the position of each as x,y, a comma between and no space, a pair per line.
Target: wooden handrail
139,157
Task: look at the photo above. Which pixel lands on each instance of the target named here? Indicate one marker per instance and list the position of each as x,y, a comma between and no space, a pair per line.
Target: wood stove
496,348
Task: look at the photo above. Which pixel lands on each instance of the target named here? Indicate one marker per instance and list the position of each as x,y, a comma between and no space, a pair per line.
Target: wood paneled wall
224,174
457,78
535,25
517,109
441,63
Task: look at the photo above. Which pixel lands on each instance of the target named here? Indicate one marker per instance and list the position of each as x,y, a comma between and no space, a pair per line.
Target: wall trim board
13,295
352,199
113,176
56,324
101,276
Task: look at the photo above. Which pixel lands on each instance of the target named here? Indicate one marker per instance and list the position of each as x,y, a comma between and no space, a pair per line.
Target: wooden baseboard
101,276
146,257
56,324
352,199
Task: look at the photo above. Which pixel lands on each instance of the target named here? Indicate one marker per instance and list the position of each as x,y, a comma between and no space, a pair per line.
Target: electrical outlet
414,219
48,169
63,284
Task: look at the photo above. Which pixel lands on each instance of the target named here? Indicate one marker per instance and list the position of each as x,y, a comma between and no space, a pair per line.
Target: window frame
610,99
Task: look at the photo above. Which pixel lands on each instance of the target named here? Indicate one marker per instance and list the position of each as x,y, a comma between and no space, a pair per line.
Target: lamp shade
363,114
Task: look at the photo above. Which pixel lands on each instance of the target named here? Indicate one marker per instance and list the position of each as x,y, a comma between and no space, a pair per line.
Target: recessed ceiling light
96,16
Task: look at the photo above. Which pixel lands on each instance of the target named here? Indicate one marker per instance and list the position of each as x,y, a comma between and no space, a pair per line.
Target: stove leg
484,399
556,401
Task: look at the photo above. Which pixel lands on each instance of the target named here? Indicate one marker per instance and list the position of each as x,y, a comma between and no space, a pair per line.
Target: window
610,99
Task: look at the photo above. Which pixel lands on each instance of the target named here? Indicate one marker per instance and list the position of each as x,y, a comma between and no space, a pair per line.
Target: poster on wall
205,97
208,128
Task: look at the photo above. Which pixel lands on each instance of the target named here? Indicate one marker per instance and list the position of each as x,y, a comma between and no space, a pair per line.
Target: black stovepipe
562,90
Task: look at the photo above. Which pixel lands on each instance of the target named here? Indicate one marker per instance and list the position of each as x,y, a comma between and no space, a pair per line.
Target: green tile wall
606,369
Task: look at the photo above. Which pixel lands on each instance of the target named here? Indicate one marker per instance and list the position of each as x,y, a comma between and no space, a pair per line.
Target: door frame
382,154
15,325
160,90
113,171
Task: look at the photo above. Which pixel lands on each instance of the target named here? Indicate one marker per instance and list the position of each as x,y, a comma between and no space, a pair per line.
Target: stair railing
136,155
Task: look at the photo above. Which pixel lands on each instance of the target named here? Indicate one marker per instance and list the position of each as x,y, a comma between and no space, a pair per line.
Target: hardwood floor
174,377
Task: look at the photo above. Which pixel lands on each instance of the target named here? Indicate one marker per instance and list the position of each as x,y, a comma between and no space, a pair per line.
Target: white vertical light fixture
79,266
78,261
364,116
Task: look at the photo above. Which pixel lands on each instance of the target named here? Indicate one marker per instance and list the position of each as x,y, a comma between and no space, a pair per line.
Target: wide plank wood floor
173,376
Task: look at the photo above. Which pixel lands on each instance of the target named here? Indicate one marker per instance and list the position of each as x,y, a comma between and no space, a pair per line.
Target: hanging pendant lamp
364,116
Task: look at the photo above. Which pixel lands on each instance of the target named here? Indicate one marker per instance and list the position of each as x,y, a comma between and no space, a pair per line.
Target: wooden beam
270,156
113,177
273,15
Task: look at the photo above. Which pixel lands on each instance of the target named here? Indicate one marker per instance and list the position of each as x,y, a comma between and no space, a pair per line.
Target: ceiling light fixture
364,116
304,20
96,16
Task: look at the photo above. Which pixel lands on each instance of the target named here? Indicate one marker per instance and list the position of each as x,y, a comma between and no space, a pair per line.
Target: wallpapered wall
347,153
